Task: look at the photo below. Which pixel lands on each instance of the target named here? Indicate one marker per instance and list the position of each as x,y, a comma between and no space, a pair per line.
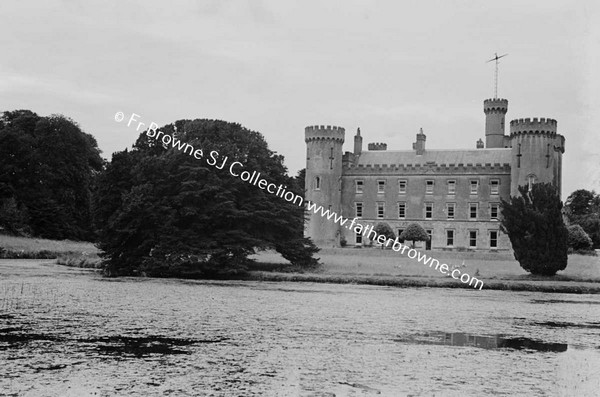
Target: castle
454,194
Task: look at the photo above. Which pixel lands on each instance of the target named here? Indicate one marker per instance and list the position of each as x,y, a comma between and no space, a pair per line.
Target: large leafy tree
583,208
161,212
414,232
535,227
47,169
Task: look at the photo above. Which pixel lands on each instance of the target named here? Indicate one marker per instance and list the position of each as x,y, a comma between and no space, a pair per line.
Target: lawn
24,247
483,265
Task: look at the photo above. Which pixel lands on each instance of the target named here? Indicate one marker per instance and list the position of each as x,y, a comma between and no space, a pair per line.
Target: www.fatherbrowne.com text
236,169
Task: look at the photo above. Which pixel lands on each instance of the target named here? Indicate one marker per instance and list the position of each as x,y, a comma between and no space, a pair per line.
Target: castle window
472,238
358,210
317,183
493,239
449,237
531,179
473,210
428,210
380,210
402,186
474,187
450,210
451,187
429,186
494,185
359,186
401,210
430,235
380,187
494,211
358,238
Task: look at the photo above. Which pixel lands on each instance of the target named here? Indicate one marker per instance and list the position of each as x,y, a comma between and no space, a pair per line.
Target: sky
388,67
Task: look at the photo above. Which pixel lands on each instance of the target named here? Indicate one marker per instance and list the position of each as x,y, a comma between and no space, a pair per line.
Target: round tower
536,154
495,110
323,181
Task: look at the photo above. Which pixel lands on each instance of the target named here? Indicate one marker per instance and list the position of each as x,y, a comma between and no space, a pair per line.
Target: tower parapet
495,109
321,132
377,146
533,126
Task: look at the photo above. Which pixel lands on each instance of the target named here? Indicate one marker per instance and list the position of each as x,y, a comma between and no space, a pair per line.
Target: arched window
317,183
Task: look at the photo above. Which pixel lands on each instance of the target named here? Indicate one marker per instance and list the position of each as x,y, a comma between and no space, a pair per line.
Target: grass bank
497,270
66,252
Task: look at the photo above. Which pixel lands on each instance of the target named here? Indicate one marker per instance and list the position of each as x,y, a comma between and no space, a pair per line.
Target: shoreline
419,282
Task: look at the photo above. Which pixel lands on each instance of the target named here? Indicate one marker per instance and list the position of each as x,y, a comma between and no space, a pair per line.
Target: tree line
154,212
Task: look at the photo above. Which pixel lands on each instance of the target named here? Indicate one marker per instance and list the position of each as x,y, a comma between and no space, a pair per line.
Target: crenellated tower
323,181
536,153
495,110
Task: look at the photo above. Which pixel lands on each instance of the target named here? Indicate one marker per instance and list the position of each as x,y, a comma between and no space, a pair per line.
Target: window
401,210
429,187
358,238
359,186
494,185
530,181
380,210
493,239
450,237
451,187
358,210
428,242
473,210
474,187
472,238
402,186
428,210
450,210
380,187
317,183
494,211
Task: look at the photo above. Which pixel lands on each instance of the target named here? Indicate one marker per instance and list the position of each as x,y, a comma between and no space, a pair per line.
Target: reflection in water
484,342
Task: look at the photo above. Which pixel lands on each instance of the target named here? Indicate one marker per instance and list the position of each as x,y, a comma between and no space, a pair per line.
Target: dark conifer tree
535,227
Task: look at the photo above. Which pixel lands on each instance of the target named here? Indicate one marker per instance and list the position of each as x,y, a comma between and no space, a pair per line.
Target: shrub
414,232
383,229
535,227
579,239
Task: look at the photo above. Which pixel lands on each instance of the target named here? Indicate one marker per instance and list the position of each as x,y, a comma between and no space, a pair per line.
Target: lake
71,332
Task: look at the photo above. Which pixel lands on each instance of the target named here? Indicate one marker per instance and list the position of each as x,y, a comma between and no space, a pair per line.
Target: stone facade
454,194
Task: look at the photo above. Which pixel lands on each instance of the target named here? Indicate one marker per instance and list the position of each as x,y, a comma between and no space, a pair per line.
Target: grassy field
483,265
70,252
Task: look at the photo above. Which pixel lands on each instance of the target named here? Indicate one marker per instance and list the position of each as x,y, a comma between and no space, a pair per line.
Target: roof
468,156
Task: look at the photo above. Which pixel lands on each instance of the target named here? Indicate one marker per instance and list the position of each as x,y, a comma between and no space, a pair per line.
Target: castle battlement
499,105
535,126
377,146
321,132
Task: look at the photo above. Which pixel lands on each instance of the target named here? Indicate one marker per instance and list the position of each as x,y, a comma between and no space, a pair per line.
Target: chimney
419,145
357,142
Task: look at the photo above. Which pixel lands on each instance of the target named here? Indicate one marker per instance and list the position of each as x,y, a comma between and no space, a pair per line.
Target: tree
583,208
414,232
383,229
535,227
47,169
579,239
162,212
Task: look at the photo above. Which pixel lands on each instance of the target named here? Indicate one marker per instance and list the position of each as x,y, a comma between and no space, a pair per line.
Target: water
69,332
